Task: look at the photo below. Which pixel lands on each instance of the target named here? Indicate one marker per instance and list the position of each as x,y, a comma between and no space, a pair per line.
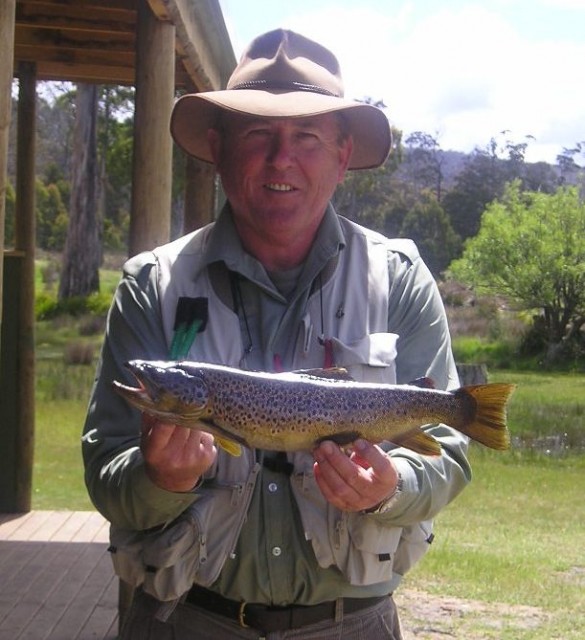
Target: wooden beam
25,242
50,15
92,73
7,12
152,159
74,57
202,42
75,39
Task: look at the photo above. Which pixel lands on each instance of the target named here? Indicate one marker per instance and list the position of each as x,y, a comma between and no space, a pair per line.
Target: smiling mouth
278,186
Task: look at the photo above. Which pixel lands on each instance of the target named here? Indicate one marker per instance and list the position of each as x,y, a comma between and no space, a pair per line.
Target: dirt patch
428,617
575,575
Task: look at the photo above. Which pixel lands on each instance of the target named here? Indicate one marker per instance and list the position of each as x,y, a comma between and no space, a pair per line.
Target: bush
45,305
78,353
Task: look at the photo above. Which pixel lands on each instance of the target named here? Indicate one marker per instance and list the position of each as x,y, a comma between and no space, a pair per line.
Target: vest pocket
414,543
167,561
162,561
370,547
368,359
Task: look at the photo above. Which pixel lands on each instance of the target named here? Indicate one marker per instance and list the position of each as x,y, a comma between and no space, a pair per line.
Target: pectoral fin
233,448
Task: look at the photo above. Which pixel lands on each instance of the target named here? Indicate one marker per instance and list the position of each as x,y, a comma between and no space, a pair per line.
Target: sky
463,71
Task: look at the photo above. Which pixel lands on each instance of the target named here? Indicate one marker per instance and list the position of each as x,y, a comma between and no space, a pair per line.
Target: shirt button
273,487
276,551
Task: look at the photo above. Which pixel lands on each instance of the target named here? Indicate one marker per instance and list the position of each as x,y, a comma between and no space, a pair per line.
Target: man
309,545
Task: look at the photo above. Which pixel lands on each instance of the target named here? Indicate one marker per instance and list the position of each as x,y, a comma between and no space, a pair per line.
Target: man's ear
345,152
214,142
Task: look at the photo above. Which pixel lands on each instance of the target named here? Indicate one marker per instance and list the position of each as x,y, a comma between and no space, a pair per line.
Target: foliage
52,217
47,305
531,248
428,225
481,181
393,199
424,163
484,178
362,196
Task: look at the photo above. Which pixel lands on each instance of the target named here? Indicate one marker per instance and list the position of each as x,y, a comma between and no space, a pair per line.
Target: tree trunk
472,374
82,255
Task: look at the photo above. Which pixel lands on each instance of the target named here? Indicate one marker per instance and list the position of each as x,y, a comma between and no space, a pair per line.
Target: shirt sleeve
114,468
417,315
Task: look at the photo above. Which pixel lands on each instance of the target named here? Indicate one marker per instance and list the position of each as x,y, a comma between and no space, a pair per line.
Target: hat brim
195,113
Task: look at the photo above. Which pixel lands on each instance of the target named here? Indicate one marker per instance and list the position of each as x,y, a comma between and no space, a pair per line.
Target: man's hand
175,457
356,482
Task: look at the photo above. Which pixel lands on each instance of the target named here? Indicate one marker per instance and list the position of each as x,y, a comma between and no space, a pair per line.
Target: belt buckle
242,615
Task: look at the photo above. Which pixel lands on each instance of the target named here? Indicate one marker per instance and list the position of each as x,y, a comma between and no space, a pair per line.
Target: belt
268,619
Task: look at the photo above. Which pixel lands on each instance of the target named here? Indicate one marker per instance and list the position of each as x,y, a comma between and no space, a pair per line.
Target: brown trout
298,410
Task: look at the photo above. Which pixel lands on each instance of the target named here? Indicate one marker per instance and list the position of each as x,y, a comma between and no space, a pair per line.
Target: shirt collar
225,246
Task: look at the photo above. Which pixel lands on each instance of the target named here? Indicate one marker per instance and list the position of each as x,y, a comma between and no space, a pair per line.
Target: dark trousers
379,622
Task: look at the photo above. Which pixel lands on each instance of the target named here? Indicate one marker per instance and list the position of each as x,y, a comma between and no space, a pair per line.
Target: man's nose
282,150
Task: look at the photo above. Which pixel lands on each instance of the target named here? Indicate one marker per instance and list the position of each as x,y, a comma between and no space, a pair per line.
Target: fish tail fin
489,425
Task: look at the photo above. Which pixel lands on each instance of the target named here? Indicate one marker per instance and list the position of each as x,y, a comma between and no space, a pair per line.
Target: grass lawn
515,536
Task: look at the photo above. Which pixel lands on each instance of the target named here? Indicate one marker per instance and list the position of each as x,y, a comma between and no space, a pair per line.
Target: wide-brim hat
283,75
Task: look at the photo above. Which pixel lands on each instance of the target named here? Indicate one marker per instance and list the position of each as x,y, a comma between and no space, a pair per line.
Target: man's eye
251,133
307,135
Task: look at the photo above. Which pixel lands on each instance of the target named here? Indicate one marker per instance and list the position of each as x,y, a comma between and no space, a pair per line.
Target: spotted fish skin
297,410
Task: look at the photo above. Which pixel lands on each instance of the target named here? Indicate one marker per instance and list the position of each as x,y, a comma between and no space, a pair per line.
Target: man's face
279,174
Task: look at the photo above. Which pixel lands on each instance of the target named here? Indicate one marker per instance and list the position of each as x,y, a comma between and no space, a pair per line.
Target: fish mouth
165,390
147,390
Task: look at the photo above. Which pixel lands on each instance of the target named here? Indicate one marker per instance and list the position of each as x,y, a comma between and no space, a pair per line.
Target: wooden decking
56,579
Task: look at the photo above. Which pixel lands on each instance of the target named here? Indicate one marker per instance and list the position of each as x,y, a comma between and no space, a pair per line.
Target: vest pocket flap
179,539
415,542
369,535
367,556
370,358
126,553
375,349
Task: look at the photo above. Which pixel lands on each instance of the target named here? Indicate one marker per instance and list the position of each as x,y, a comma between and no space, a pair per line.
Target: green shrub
99,303
46,305
79,352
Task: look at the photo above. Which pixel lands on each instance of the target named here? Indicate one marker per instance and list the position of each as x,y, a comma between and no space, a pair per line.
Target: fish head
166,391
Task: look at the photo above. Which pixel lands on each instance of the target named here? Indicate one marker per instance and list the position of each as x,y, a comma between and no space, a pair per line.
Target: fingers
175,457
355,482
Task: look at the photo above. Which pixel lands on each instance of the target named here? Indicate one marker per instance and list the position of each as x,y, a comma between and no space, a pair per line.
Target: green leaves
531,247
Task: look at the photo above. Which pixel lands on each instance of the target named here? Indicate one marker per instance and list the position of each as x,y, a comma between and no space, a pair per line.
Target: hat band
284,85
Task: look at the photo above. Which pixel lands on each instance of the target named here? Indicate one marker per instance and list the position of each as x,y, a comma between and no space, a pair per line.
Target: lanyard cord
238,304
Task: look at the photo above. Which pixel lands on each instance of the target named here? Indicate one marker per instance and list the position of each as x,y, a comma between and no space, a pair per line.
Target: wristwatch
389,502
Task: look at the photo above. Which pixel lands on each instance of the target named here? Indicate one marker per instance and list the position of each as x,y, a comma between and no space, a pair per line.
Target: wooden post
152,161
199,194
7,18
18,363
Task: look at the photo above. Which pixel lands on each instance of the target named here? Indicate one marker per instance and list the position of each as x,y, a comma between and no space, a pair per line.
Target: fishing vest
353,305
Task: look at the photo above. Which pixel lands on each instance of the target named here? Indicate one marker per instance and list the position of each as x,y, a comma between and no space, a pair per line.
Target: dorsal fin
330,373
423,383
